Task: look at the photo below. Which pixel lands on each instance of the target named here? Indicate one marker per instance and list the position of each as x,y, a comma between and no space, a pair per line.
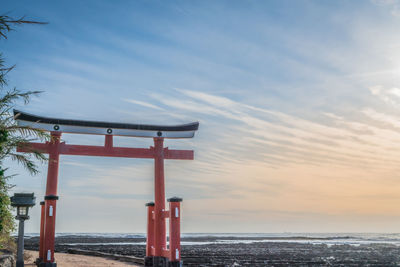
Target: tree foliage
12,135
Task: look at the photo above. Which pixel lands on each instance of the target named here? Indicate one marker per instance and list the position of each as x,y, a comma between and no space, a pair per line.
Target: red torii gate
157,253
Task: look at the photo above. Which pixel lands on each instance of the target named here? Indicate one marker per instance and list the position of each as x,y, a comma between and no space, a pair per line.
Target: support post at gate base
41,240
174,231
50,227
148,260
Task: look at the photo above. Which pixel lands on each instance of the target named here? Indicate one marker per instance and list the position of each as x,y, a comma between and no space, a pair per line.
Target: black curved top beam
98,127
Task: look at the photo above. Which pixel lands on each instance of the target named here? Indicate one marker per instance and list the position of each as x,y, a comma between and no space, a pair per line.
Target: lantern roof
23,199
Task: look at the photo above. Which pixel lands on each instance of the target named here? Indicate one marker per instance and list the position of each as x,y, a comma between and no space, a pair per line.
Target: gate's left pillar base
41,240
148,260
38,261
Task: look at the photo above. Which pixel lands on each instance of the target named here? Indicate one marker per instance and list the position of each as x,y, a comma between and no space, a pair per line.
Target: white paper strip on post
176,212
176,254
51,211
49,255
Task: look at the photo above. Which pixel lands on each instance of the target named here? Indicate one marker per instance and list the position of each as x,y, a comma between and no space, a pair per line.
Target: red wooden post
52,171
41,240
150,234
108,143
175,231
160,238
51,198
50,230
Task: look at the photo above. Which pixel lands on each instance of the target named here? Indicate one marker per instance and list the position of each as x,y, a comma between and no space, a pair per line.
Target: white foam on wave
200,243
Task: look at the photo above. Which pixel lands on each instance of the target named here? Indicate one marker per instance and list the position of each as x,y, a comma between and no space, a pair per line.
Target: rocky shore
260,253
7,260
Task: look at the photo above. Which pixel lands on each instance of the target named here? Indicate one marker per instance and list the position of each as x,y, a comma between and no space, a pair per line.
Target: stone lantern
22,201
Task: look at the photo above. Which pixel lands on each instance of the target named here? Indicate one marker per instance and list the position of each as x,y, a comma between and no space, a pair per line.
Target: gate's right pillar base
170,257
148,261
174,264
160,262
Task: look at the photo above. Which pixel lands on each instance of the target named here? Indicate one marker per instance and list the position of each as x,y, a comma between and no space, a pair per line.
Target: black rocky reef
255,254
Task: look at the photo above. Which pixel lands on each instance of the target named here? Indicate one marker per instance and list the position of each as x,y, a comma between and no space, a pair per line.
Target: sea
330,239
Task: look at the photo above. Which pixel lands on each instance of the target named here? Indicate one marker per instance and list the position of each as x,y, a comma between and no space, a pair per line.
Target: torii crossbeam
157,253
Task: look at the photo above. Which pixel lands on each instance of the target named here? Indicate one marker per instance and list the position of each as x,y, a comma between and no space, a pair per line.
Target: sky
298,104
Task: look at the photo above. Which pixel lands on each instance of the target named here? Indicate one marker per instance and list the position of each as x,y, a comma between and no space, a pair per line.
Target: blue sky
298,103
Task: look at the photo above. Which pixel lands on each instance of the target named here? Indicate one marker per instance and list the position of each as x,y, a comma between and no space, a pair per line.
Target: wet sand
72,260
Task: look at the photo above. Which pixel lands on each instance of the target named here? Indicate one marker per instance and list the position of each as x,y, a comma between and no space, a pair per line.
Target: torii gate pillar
160,237
47,237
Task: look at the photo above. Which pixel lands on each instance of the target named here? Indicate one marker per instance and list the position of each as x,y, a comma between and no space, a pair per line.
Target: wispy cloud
142,103
393,5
